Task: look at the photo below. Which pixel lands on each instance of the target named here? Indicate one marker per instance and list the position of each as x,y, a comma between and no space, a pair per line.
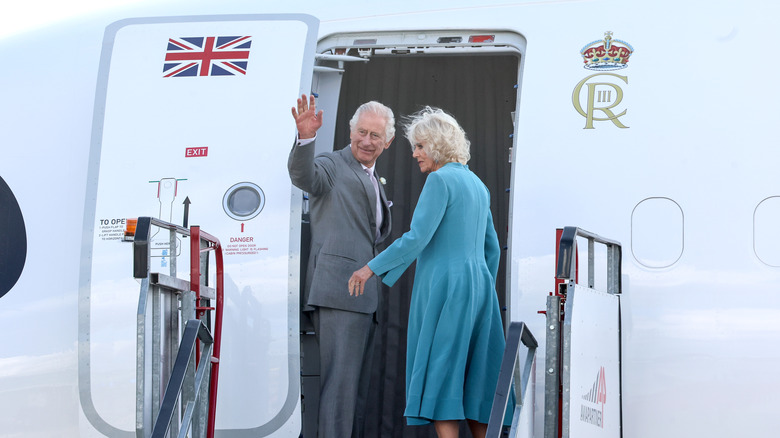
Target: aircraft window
243,201
657,232
766,231
13,244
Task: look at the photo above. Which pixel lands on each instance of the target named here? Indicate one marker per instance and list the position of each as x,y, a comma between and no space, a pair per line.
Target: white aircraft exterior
669,146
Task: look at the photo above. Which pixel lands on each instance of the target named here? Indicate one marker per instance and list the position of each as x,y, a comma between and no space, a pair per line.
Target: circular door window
243,201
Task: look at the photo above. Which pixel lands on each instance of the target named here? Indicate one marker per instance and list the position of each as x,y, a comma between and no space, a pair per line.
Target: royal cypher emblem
606,54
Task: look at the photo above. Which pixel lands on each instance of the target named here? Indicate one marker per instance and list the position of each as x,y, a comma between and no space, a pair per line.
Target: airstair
582,369
178,344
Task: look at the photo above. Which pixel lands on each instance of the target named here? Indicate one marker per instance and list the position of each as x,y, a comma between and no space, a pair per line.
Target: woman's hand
357,282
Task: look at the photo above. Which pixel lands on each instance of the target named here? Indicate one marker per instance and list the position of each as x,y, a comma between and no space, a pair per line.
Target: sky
28,15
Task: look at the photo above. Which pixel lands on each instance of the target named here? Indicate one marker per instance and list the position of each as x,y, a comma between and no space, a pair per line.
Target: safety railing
567,258
510,372
183,373
558,332
173,300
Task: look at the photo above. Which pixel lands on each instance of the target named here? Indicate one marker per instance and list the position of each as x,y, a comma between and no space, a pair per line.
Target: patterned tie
378,203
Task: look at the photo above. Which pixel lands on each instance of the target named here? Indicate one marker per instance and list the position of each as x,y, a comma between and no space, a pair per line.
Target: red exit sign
196,152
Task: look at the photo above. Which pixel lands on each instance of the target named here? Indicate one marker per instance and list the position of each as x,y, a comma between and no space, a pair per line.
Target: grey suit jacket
342,207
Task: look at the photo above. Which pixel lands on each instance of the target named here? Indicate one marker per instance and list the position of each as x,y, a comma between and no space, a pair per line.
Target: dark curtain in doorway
480,92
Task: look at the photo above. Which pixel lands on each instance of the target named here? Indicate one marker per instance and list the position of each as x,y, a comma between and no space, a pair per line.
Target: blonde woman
455,338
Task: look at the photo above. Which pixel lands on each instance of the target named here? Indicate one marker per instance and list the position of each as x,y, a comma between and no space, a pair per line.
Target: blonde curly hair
442,138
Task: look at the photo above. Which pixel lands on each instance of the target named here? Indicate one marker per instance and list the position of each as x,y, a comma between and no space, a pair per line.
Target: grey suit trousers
346,341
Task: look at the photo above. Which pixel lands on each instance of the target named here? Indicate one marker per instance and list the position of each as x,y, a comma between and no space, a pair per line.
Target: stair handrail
195,330
510,372
199,235
567,262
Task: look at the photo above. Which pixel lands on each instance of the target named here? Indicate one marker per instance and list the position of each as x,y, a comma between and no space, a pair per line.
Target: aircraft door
192,125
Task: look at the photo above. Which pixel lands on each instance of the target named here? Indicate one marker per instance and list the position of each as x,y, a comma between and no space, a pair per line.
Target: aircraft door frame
243,136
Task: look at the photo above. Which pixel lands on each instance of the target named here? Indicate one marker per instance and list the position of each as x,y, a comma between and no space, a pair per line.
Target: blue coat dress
455,338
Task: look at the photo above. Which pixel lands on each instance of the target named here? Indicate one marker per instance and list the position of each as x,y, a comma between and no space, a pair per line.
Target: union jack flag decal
207,56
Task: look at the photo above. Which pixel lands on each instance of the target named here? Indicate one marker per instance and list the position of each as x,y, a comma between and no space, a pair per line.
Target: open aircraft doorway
472,75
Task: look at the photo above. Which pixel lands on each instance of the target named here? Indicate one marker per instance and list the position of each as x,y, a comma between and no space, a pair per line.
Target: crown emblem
606,54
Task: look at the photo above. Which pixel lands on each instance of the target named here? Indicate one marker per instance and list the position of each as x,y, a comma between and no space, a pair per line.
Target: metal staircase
582,368
178,347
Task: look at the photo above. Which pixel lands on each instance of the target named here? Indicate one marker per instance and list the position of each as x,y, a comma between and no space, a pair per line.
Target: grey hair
380,110
442,137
